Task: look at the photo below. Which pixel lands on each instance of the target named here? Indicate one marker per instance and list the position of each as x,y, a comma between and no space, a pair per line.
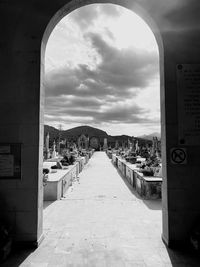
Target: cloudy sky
102,70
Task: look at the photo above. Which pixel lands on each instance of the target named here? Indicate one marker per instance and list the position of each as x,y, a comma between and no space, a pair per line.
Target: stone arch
136,8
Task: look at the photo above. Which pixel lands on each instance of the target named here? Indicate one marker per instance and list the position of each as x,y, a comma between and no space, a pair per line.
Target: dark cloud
118,72
86,102
60,103
124,68
123,113
61,81
98,94
96,110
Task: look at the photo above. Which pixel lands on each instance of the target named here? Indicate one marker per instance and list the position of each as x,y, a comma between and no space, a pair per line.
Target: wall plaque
10,161
188,83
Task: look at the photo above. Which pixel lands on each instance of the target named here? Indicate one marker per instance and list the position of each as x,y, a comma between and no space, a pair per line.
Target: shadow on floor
183,257
17,257
153,204
47,203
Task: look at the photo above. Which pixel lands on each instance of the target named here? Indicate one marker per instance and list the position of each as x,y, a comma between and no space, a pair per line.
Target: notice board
10,161
188,94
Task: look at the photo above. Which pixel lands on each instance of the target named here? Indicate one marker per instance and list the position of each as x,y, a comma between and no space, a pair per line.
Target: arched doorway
138,10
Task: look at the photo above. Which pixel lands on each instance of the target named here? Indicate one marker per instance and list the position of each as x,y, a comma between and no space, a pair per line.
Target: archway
143,14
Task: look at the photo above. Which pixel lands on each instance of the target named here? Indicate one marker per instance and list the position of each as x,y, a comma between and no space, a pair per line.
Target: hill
86,130
91,131
74,132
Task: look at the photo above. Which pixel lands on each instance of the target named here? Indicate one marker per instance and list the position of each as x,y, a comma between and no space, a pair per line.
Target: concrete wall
23,24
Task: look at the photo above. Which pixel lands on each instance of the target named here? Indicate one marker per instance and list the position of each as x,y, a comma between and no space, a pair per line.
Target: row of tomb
140,165
143,174
61,171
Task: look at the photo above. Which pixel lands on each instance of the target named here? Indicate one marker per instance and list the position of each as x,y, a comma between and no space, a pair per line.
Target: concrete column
181,198
21,200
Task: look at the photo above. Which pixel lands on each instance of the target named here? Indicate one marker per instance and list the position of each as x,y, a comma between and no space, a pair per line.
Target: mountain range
89,131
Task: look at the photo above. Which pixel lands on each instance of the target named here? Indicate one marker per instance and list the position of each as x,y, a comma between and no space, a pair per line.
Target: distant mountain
75,132
150,136
86,130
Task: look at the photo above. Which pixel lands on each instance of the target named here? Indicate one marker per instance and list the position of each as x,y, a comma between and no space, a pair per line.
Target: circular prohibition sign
178,155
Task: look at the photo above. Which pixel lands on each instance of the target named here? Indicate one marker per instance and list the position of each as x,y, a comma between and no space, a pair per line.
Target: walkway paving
102,222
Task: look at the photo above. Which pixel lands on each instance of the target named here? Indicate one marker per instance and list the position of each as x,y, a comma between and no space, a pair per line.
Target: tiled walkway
102,222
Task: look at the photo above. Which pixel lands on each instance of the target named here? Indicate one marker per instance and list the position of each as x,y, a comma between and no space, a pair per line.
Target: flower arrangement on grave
147,171
149,167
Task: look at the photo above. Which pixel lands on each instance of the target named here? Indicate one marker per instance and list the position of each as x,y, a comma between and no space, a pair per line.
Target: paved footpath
102,222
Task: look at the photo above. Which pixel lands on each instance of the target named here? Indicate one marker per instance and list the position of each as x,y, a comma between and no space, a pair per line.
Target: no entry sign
178,155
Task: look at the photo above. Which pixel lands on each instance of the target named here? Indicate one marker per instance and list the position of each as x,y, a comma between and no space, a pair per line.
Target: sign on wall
10,161
178,155
188,83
